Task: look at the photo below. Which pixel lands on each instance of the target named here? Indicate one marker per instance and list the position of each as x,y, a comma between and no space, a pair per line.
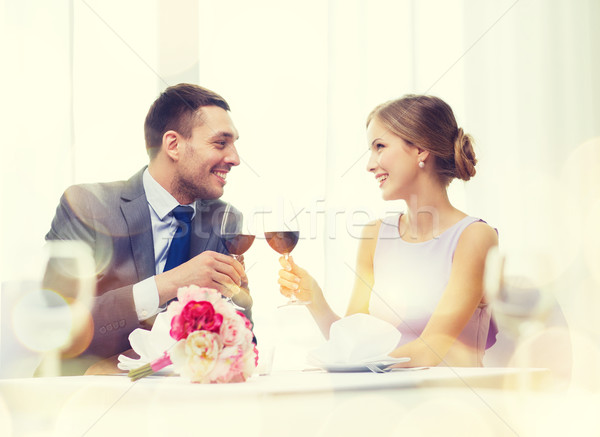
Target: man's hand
208,269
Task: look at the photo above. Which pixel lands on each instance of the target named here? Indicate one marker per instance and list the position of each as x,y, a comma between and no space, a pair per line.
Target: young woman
421,270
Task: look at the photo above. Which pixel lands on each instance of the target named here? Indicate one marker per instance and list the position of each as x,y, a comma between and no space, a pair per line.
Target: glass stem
293,297
229,299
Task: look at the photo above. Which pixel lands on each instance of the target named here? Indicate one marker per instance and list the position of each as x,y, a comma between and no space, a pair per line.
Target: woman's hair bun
464,156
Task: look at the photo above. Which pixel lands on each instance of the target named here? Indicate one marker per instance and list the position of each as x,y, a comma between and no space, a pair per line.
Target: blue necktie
179,252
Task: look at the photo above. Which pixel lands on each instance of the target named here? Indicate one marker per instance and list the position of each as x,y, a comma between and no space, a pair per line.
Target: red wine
237,244
282,242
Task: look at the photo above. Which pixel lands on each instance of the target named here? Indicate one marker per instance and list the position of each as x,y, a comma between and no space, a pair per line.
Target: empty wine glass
53,316
521,287
281,229
517,287
233,237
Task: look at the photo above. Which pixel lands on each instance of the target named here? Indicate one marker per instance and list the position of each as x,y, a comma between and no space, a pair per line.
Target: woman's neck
427,216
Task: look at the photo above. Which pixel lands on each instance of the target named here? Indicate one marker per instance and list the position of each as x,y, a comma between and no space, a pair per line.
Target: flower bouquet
213,341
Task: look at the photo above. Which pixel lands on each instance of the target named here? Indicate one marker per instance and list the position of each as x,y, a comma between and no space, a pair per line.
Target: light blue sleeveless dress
409,279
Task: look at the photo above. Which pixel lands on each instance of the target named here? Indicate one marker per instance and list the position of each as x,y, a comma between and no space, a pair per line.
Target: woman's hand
421,353
295,281
433,350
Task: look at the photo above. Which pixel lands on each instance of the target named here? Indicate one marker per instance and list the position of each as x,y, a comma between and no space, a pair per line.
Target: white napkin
359,338
149,345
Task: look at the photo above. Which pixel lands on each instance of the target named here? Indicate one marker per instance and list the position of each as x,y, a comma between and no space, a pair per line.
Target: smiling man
158,231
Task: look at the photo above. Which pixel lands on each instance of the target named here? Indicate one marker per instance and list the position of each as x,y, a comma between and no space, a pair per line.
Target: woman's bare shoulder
478,236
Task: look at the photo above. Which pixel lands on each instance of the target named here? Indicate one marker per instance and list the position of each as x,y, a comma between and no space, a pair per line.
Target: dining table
444,401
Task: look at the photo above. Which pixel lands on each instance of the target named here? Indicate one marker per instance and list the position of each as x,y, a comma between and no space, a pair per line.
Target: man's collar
160,200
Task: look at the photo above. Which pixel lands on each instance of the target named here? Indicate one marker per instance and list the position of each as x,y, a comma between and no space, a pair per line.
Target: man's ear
170,144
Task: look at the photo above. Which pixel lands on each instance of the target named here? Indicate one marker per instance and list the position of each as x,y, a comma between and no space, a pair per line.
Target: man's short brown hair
177,109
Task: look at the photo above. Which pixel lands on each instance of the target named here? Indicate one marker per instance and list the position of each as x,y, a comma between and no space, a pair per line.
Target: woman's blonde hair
428,122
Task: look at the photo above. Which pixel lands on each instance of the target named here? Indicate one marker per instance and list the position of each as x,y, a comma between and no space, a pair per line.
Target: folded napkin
149,345
359,338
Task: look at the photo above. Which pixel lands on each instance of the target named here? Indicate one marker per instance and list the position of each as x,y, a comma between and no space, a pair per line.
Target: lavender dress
409,279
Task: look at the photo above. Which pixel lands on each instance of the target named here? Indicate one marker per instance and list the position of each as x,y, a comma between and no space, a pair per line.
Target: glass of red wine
237,244
234,239
281,230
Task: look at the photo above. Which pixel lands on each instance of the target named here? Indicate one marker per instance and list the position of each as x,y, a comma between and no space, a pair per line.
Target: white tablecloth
457,401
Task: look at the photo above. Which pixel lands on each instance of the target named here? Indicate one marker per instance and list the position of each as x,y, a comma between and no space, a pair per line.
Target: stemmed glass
234,239
53,315
516,285
281,229
520,286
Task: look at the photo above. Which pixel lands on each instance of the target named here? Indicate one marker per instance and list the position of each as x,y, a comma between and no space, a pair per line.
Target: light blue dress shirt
164,225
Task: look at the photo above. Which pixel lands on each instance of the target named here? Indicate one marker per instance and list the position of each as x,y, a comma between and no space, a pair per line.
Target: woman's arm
363,282
297,281
459,301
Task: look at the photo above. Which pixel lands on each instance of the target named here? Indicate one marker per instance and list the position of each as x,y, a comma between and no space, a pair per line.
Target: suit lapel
134,207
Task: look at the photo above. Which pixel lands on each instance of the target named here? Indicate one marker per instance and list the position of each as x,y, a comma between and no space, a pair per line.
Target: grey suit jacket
113,218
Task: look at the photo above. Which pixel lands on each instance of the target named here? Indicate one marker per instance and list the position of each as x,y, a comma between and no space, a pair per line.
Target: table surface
455,401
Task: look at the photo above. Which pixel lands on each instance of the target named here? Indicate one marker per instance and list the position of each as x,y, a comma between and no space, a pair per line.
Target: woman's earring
421,164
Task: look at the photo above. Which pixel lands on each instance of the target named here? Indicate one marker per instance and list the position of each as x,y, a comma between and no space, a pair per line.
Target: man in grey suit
190,139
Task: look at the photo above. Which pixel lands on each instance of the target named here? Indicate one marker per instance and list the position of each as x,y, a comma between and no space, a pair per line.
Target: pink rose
234,331
193,292
249,362
233,365
224,307
246,321
195,316
198,294
196,356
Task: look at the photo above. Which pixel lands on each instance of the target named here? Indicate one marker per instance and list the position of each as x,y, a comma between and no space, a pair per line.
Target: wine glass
53,316
517,287
281,229
520,287
234,239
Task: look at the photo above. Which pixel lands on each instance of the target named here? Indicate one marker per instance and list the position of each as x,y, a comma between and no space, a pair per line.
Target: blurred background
78,77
